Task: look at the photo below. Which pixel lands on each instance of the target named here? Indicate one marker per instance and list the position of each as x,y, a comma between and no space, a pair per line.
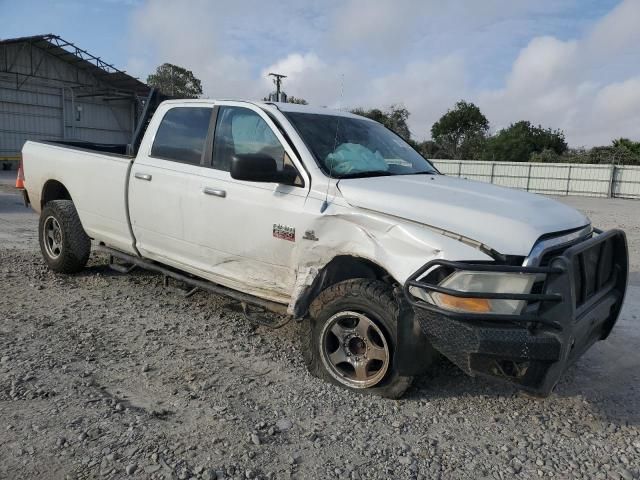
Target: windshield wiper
371,173
425,172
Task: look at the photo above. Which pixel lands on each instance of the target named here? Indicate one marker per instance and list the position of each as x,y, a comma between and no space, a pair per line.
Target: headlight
492,282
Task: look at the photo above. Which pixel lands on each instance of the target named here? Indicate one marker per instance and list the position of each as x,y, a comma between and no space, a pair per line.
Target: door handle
143,176
216,192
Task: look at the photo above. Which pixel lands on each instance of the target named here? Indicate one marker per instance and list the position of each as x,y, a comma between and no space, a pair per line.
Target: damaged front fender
394,246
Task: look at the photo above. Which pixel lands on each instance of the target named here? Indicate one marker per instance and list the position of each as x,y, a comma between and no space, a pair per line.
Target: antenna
325,204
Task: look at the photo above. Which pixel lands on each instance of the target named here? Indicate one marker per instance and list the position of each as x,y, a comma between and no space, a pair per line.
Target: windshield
346,147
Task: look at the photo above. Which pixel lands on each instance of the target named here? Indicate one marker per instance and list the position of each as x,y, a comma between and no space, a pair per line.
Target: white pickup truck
334,220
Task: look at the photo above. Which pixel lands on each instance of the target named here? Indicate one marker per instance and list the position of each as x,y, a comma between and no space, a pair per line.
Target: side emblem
283,232
310,235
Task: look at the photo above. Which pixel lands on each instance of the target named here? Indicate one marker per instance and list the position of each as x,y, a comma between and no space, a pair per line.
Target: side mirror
258,167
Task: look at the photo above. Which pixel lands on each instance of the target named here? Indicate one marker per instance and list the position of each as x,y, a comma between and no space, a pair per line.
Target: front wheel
351,338
63,242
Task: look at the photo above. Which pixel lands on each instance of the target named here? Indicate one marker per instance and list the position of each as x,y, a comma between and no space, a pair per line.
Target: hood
506,220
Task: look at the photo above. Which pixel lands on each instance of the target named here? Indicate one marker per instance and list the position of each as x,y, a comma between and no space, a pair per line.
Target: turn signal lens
462,304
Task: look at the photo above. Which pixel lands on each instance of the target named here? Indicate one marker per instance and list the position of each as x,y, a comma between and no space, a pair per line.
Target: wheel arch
53,190
339,268
414,352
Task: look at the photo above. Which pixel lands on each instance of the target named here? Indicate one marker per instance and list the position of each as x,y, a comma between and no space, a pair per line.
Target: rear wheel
352,335
63,242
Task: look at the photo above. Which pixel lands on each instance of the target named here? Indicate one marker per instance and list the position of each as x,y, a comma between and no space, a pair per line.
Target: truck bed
114,148
96,178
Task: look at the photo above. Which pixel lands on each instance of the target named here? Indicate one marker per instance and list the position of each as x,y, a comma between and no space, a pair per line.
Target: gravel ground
104,375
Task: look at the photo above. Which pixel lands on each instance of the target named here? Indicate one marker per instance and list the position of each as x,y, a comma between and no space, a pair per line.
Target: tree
298,100
618,153
394,118
629,145
608,154
547,156
175,81
520,140
461,132
430,149
290,99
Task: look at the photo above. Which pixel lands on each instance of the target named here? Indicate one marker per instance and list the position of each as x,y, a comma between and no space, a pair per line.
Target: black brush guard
579,303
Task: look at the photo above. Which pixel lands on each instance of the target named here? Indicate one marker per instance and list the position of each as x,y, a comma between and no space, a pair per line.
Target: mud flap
25,198
414,353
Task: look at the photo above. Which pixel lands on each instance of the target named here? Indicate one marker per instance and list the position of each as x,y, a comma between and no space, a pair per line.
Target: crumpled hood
506,220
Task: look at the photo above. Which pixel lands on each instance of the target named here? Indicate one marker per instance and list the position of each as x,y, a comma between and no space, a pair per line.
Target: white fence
550,178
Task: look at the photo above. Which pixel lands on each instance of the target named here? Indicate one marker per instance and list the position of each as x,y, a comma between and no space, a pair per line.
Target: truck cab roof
270,106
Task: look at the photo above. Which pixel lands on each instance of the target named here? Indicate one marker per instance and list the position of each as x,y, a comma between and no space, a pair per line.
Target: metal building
51,89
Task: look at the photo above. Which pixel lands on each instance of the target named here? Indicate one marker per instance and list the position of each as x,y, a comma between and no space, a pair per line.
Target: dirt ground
105,375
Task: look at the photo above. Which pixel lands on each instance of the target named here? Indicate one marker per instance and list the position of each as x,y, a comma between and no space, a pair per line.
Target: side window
240,130
181,134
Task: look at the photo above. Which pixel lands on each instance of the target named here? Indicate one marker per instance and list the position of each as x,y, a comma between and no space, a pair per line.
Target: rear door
161,176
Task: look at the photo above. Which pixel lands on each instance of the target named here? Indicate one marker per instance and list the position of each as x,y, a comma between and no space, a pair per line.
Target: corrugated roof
79,58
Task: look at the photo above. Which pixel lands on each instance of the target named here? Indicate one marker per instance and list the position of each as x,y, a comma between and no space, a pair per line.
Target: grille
592,270
545,260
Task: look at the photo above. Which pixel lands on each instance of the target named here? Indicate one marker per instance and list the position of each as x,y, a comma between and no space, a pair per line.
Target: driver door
250,228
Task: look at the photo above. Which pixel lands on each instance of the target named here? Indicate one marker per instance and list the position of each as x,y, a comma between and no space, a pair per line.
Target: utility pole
277,79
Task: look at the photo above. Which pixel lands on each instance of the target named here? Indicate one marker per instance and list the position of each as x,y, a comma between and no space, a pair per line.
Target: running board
195,283
118,267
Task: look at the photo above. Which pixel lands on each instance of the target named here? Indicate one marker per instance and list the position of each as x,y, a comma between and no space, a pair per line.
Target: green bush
520,140
546,156
607,155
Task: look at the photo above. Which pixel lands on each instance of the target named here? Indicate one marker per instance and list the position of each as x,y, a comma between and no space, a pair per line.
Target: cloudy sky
569,64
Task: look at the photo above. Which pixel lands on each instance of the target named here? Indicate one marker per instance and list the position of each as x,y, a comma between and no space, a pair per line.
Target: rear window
182,134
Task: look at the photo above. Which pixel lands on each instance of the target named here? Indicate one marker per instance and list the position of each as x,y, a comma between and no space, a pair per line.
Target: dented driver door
250,228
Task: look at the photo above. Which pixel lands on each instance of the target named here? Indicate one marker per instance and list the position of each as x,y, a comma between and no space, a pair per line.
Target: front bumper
581,294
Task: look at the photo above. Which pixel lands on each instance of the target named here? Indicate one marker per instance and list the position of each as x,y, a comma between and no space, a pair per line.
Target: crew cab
334,220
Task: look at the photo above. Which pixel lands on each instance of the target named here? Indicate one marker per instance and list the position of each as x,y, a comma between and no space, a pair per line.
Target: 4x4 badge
283,232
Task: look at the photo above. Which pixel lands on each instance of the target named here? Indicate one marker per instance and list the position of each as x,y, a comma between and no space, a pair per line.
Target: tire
64,244
364,314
